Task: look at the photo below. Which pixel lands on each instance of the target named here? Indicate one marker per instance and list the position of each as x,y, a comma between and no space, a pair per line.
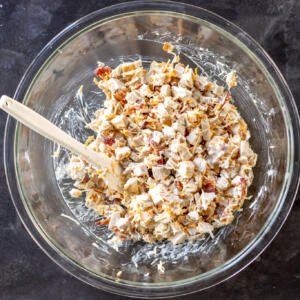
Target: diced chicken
161,231
163,217
142,201
218,90
193,215
200,163
171,164
169,131
179,68
187,79
186,169
178,238
105,125
245,150
114,84
132,185
170,105
194,136
246,154
158,79
222,183
236,139
140,170
162,112
145,91
122,223
180,93
165,90
114,217
179,127
193,118
157,193
168,47
122,153
206,132
204,227
191,186
206,199
136,141
130,66
76,169
184,152
216,149
237,180
156,137
119,122
133,97
247,173
160,172
236,192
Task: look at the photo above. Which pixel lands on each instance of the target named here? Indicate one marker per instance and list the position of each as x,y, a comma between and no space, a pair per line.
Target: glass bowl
65,229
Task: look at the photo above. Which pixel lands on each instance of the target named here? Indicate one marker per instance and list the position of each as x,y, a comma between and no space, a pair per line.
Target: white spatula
112,171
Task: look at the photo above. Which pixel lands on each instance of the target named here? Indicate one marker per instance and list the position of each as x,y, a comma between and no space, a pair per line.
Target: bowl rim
266,234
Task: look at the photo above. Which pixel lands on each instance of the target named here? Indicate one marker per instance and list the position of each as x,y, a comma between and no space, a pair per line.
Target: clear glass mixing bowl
65,229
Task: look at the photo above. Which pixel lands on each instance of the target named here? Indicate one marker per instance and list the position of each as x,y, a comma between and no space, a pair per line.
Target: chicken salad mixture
182,144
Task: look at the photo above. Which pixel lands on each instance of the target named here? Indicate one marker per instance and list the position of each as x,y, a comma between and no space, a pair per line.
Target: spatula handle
39,124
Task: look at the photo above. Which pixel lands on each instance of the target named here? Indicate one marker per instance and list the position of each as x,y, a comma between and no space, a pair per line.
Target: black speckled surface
25,271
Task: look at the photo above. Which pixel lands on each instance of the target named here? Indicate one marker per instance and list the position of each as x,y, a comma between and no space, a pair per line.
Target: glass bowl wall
66,230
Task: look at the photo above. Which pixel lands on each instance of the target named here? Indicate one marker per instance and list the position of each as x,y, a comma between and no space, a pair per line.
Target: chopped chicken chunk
122,152
119,122
186,169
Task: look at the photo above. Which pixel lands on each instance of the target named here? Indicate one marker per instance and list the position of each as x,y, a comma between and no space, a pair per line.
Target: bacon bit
85,179
156,151
157,88
120,96
161,161
108,141
103,72
244,186
102,222
209,185
179,185
138,86
140,106
144,125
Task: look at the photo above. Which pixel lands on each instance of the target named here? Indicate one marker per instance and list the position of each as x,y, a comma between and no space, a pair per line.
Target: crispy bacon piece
108,141
179,185
103,72
120,96
161,161
209,185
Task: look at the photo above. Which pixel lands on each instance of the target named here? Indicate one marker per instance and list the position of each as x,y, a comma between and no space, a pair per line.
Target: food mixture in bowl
183,146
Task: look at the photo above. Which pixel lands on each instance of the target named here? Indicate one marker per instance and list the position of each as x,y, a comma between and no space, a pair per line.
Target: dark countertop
25,271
